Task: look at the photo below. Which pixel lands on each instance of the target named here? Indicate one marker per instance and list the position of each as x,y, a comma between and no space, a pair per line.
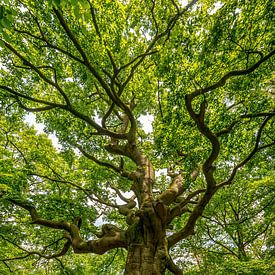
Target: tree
234,233
90,70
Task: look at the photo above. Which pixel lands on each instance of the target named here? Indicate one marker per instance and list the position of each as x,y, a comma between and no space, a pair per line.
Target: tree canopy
192,192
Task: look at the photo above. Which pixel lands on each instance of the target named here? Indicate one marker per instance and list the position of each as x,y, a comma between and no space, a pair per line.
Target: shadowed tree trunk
148,251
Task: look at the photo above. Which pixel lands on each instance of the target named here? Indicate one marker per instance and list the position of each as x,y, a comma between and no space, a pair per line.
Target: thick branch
111,236
87,192
179,209
207,167
150,49
113,96
231,126
171,266
37,220
33,110
48,43
51,105
64,250
19,95
118,192
38,71
188,229
175,189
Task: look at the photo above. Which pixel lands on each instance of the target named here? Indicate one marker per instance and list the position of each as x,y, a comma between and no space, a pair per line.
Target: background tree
90,70
235,232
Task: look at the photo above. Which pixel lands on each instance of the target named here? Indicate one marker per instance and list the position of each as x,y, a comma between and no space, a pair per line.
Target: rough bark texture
147,249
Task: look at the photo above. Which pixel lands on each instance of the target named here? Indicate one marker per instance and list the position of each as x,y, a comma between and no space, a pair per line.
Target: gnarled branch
111,236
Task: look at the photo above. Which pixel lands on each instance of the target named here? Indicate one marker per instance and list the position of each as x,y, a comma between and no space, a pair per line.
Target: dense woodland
162,117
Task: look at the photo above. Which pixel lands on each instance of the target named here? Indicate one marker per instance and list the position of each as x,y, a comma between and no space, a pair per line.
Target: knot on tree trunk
108,230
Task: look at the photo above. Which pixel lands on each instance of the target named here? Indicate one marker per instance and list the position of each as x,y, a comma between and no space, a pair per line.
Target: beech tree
94,73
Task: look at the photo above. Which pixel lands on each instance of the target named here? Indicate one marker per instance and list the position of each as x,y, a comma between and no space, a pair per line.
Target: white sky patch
146,121
183,2
23,9
97,119
39,127
161,172
237,10
217,6
100,221
30,119
69,79
127,195
2,67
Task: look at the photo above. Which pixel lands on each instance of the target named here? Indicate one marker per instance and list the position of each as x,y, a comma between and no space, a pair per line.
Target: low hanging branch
110,237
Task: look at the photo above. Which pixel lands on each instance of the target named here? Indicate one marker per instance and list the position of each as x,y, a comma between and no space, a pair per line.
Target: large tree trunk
147,244
147,249
146,259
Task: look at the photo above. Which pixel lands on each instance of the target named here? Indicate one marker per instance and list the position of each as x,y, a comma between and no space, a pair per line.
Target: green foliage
235,267
88,69
235,232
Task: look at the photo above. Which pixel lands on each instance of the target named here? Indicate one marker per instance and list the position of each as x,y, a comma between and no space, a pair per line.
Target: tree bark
147,250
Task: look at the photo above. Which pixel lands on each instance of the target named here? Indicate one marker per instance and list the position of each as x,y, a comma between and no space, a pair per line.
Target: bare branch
153,16
159,102
88,120
176,6
38,71
198,210
220,243
48,43
231,126
208,168
87,192
149,51
224,79
250,156
112,95
118,192
106,164
37,220
257,235
94,19
19,95
33,110
188,229
17,148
